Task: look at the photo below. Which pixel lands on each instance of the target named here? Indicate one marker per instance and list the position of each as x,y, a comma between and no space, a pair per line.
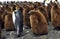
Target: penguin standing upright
18,20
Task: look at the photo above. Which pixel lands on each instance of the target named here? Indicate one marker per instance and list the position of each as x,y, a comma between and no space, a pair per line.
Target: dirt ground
27,34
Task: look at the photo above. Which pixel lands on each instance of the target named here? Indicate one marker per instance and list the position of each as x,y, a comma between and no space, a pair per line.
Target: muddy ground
27,34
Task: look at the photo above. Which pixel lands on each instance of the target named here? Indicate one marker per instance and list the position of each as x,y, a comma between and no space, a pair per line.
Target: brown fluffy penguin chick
38,22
